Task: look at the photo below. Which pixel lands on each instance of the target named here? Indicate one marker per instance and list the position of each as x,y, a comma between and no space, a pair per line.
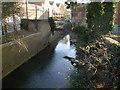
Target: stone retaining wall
15,53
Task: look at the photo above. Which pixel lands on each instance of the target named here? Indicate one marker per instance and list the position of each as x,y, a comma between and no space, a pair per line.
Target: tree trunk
3,30
14,23
4,27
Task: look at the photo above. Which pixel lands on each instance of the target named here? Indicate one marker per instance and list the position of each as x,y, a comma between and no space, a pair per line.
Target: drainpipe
27,13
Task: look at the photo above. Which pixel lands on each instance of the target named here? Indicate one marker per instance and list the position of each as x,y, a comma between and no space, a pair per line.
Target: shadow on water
48,69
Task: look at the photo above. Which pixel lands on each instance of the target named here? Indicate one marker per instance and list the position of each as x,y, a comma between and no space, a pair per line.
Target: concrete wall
17,52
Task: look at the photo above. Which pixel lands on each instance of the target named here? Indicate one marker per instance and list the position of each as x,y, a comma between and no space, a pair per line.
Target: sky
62,1
59,1
82,1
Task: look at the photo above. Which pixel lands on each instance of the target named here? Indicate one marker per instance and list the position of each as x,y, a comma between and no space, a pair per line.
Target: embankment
15,53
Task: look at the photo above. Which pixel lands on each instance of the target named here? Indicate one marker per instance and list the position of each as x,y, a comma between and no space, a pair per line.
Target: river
48,69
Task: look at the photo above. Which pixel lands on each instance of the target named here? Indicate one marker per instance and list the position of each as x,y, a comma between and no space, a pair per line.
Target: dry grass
15,35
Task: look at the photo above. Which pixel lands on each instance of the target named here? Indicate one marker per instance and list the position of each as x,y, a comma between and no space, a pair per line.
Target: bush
100,58
67,26
115,51
52,24
78,80
79,29
105,57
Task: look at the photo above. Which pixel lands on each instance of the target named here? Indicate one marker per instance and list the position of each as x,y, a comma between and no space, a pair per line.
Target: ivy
93,50
100,16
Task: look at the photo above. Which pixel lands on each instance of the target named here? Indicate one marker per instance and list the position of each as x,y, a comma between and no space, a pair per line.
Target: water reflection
64,47
48,69
66,40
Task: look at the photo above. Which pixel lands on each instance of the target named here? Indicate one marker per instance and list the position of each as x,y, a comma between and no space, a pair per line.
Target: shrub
79,29
67,26
100,58
52,24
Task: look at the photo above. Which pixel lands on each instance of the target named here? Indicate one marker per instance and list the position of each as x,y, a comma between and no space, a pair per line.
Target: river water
48,69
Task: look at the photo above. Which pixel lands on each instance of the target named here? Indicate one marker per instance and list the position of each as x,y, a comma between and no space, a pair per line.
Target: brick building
35,10
78,14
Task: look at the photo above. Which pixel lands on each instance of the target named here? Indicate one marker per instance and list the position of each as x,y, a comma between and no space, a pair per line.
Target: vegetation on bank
52,24
14,36
67,26
99,65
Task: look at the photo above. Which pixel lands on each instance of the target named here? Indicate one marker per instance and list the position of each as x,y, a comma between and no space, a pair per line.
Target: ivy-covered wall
100,16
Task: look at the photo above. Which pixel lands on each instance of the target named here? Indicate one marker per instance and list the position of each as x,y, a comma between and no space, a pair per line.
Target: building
78,14
39,10
34,10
